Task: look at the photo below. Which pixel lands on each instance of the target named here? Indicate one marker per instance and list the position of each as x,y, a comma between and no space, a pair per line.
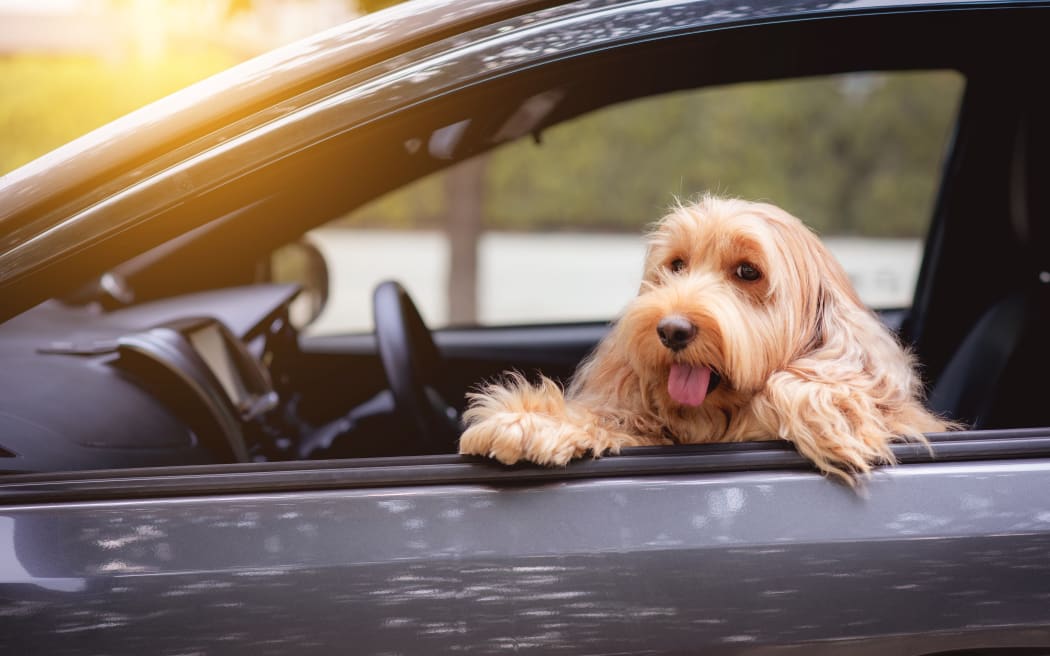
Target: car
191,466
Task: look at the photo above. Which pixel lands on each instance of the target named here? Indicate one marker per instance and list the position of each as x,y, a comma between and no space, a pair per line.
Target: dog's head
732,292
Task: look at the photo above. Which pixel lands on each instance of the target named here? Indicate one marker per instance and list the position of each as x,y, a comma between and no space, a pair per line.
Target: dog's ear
656,247
851,388
850,338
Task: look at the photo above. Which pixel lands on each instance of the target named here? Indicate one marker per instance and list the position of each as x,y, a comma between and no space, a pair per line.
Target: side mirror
302,263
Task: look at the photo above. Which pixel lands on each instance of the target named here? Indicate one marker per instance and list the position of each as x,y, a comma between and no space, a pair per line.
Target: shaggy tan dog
745,328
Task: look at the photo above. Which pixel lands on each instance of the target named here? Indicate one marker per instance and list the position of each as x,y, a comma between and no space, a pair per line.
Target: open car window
548,228
507,196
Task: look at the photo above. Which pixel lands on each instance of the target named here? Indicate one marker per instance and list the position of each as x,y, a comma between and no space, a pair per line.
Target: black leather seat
1000,375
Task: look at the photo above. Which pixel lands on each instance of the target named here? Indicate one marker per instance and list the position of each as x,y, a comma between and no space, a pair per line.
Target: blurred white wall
537,278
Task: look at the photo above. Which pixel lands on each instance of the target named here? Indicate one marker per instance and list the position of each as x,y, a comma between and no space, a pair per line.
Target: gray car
187,471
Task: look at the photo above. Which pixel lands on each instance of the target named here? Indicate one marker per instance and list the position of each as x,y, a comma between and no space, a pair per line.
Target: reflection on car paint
676,562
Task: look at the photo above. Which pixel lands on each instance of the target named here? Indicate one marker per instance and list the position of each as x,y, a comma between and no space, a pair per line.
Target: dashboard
187,380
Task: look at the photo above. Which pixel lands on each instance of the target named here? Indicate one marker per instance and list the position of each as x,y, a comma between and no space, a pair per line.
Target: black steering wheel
413,367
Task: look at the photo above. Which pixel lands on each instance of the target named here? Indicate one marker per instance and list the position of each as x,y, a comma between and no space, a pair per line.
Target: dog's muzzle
676,332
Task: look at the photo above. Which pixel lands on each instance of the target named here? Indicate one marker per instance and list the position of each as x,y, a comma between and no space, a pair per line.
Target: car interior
187,354
995,377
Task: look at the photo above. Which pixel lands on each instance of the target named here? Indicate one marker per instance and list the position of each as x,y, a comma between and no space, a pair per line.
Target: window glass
548,229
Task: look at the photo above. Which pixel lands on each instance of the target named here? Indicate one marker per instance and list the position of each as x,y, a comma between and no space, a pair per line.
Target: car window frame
944,450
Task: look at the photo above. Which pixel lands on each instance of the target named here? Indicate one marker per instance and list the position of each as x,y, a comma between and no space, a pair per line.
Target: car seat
999,377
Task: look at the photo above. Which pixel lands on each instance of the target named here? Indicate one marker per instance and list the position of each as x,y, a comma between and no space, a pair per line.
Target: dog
745,328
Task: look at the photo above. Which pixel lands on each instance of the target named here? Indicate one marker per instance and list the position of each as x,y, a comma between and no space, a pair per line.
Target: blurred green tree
47,100
369,6
851,155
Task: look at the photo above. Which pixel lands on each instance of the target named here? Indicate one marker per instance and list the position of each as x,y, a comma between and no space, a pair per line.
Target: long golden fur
799,357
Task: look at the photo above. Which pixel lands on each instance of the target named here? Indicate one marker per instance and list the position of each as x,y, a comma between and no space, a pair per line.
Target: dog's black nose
675,332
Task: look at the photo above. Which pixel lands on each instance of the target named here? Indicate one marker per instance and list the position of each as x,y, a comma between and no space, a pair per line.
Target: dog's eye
747,271
677,265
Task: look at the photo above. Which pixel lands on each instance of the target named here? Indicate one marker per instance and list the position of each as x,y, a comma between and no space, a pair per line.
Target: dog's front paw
841,431
511,437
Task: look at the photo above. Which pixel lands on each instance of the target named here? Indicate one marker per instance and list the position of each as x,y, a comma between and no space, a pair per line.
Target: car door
663,551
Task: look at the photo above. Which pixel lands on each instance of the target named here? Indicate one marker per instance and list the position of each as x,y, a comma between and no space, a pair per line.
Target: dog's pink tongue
688,385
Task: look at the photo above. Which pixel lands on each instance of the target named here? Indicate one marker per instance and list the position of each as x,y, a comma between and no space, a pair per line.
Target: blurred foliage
375,5
48,100
851,155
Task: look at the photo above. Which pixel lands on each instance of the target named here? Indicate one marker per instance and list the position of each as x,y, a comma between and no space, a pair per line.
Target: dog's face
732,292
